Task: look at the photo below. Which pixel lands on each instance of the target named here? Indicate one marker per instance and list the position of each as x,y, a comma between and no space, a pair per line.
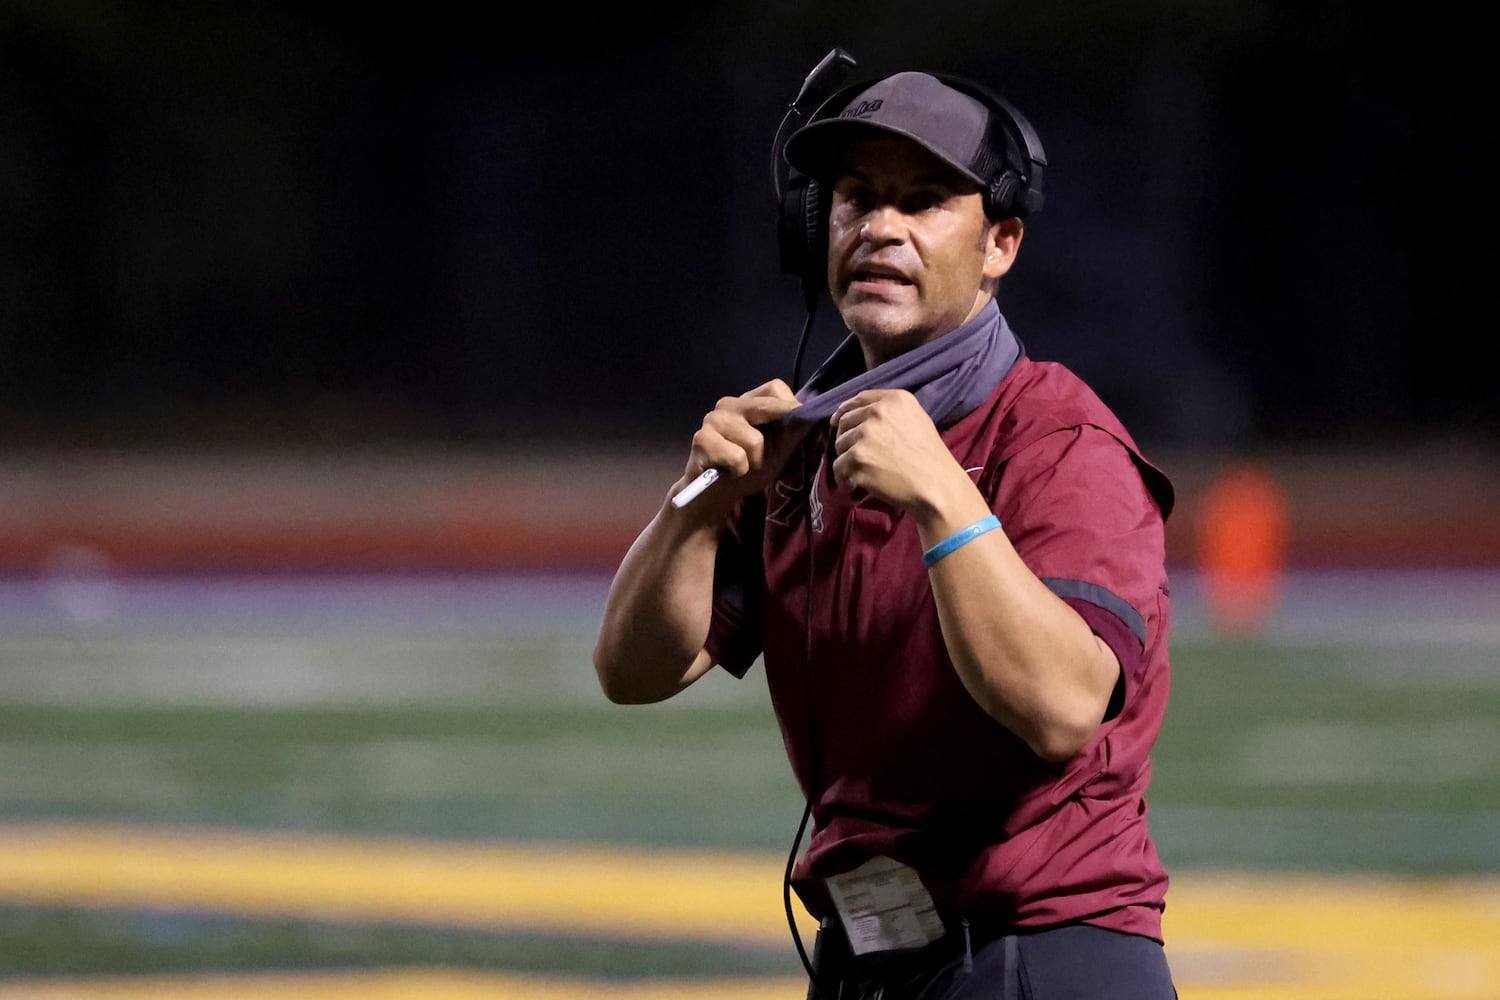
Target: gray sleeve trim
1108,600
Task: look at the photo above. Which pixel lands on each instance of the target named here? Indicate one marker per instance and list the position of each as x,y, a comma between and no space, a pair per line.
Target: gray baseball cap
946,122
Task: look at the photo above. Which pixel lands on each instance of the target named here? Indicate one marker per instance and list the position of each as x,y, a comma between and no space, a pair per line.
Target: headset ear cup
1016,191
815,234
1003,191
802,232
791,229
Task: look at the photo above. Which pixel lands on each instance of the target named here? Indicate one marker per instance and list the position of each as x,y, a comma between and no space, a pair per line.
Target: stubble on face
907,243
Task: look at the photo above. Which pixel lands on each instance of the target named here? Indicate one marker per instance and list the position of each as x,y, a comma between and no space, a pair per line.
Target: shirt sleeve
1081,518
734,631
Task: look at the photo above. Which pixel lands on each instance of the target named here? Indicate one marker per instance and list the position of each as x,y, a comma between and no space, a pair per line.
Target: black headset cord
797,363
786,899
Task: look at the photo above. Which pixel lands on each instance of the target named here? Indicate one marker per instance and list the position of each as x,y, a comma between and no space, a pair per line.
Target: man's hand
742,437
887,444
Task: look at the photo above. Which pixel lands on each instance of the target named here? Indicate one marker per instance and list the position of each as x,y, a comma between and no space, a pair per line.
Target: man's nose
883,223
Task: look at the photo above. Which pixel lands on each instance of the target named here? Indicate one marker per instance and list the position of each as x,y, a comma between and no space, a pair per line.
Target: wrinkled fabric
950,376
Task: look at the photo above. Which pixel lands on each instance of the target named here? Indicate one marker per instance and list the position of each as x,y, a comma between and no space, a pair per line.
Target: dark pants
1076,962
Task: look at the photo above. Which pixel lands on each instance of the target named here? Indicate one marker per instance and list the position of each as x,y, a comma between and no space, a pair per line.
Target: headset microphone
820,84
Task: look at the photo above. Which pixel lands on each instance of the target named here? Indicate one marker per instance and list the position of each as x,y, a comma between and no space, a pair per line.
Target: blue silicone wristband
959,539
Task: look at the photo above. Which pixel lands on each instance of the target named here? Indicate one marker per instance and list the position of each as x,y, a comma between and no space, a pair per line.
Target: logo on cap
863,109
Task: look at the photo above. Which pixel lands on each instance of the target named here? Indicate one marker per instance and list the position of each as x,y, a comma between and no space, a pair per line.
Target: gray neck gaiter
950,375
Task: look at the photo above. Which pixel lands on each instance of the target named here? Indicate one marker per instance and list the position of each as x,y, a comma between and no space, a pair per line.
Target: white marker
705,479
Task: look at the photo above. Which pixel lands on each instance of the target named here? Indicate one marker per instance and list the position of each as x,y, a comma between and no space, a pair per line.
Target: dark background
286,224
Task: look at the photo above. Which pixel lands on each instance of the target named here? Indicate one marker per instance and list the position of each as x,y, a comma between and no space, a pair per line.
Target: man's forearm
1024,654
1028,659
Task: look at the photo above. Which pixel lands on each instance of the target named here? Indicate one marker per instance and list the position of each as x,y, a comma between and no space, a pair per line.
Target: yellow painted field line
1308,937
1230,936
677,895
1270,911
403,985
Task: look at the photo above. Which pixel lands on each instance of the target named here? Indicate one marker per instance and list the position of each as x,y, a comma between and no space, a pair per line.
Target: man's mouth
878,276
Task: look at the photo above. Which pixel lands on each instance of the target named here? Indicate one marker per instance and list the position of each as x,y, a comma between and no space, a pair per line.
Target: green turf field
1357,740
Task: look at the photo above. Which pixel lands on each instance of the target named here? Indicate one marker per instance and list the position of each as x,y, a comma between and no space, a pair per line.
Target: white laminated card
884,905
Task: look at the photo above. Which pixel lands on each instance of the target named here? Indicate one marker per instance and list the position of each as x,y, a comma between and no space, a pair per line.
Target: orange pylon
1242,546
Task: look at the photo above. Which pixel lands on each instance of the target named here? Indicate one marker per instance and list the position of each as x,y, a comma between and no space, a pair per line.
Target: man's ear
1002,245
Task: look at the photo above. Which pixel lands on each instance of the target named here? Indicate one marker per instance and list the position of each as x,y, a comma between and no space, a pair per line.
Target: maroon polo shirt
899,760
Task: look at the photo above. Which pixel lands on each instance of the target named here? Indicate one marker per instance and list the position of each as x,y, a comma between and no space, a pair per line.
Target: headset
1014,189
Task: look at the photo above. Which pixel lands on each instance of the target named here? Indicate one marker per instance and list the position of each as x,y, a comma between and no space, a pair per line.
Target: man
955,581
